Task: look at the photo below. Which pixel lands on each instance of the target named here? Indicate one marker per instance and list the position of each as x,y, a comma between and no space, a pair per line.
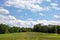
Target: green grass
29,36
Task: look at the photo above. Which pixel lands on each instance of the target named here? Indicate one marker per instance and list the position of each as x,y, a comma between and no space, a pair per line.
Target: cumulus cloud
3,11
27,4
48,0
41,14
11,17
55,6
47,22
12,21
56,16
33,5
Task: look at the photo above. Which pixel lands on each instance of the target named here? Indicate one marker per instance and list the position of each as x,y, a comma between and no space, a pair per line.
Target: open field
29,36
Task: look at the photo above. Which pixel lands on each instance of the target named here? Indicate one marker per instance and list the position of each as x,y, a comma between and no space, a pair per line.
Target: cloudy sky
26,13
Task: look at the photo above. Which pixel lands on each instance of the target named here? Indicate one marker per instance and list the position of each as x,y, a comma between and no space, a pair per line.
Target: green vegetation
38,32
30,36
7,29
37,28
47,28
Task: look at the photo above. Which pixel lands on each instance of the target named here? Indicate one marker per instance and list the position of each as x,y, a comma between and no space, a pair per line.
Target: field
29,36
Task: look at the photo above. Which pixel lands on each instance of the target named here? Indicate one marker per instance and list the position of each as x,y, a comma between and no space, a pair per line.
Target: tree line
36,28
47,28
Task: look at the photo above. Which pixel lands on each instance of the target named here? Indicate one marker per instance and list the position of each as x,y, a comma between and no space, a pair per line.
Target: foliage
46,28
37,28
7,29
3,28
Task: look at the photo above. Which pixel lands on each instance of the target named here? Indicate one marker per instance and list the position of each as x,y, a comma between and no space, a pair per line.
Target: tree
58,29
3,28
44,29
14,29
37,28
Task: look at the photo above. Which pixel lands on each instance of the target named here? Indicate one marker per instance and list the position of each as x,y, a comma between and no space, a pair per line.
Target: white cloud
3,11
55,6
33,7
47,22
9,17
11,20
56,16
30,19
48,0
25,23
41,14
27,4
47,8
30,5
21,3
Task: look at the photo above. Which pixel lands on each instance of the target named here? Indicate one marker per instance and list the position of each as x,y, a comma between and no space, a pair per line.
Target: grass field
29,36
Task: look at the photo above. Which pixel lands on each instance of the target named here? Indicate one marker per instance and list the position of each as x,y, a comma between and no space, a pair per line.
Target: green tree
37,28
3,28
14,29
44,29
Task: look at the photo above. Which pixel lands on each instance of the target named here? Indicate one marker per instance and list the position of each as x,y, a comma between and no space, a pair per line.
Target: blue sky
29,12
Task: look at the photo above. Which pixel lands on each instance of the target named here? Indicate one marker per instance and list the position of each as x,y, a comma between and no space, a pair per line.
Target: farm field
29,36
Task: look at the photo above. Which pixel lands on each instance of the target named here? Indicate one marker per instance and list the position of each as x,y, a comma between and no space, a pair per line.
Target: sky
26,13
